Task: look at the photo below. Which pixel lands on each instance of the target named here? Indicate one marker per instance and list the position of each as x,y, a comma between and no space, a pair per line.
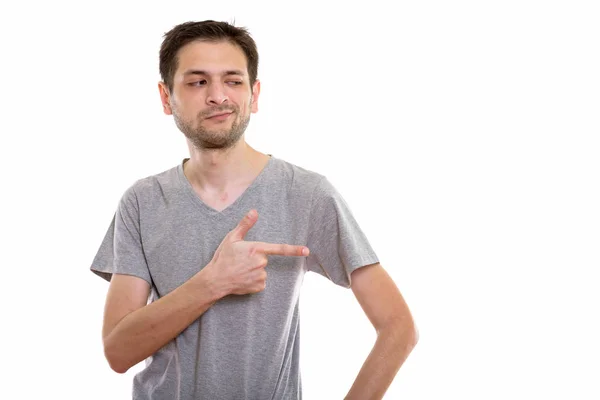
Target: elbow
416,333
403,330
114,357
410,337
118,368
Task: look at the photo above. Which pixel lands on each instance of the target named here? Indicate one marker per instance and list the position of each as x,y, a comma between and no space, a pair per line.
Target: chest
219,201
179,245
222,201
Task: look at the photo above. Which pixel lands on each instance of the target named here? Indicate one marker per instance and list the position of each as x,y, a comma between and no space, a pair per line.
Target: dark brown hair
210,31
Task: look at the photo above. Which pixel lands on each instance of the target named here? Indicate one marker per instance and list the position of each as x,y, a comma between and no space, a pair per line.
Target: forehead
213,57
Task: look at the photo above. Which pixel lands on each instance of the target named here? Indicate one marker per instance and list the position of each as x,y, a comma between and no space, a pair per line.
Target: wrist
211,284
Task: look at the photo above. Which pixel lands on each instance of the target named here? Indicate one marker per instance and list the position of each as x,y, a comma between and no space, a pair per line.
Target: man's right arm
133,331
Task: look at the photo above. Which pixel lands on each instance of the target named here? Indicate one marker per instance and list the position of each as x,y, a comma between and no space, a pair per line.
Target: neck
219,170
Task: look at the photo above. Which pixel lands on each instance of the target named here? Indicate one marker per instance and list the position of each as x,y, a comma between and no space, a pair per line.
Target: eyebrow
201,72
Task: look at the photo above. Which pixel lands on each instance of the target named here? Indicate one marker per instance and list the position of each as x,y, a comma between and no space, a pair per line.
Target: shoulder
311,186
148,187
300,178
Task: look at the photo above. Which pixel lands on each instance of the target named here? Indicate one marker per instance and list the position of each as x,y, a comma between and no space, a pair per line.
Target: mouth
220,116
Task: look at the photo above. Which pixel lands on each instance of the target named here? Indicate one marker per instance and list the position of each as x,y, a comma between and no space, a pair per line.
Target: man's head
209,68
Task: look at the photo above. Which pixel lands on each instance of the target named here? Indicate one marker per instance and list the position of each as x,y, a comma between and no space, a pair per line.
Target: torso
223,201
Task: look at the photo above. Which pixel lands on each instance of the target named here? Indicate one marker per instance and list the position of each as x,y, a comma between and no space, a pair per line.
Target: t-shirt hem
107,275
365,261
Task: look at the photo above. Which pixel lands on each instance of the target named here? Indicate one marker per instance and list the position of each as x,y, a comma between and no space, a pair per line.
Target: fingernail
305,251
251,214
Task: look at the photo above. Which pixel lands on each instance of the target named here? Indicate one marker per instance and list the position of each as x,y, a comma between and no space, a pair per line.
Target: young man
205,260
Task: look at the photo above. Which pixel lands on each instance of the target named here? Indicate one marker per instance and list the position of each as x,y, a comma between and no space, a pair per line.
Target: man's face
212,99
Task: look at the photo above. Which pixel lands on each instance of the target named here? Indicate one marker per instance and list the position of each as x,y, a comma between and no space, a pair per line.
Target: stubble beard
217,139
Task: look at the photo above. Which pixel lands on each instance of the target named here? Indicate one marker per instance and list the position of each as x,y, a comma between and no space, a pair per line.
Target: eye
197,83
235,83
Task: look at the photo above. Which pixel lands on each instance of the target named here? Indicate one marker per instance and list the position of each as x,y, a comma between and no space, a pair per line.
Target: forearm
393,345
141,333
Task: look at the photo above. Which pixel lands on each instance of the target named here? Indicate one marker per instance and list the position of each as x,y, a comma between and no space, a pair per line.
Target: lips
220,114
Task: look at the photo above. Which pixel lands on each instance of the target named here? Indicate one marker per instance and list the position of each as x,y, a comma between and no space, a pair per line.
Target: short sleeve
337,244
121,251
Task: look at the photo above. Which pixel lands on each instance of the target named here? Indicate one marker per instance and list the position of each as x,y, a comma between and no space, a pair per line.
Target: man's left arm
397,334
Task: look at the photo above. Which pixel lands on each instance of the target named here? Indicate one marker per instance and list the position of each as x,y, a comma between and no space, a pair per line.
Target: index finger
280,249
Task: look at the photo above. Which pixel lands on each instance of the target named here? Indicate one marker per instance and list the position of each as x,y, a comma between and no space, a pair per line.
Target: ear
165,97
254,98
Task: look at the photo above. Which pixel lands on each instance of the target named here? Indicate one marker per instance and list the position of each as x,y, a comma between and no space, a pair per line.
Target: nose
216,94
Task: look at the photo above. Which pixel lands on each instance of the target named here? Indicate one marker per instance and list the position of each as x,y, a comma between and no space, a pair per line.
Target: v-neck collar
205,207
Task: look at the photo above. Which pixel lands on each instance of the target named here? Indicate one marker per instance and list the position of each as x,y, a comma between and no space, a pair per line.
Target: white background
463,135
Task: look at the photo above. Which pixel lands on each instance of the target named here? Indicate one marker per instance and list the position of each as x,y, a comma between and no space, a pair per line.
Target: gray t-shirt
243,347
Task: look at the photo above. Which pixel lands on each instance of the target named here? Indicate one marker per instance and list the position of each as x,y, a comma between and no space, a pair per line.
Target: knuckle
252,250
291,250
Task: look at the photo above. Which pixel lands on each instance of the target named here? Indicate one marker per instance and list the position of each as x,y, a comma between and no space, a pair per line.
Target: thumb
245,224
